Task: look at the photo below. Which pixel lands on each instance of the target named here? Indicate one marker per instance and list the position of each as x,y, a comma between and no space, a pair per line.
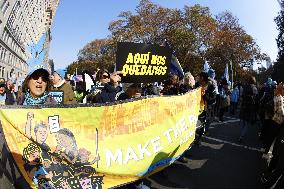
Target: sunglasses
105,76
44,77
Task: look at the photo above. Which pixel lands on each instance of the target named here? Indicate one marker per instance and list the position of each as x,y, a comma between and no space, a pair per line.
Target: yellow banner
100,147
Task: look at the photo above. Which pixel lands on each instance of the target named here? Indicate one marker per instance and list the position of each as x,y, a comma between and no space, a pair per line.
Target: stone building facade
22,23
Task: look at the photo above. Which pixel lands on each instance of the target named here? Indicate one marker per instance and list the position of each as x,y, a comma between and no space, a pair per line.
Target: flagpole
75,76
232,72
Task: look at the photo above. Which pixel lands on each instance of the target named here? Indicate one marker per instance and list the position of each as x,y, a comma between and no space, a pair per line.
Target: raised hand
115,77
30,116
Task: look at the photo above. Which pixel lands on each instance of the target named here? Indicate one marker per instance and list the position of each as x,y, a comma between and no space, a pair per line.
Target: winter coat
68,93
248,106
108,94
11,98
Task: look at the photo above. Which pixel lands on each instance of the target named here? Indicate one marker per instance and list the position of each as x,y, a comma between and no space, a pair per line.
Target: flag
77,78
206,67
38,54
175,66
232,74
88,80
114,69
226,74
89,83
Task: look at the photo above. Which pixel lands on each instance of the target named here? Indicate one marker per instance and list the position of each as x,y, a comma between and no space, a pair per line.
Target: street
218,163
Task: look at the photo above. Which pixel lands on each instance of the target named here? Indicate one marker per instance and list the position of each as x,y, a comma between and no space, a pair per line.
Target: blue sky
79,22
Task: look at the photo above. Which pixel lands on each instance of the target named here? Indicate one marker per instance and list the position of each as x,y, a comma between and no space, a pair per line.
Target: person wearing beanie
59,84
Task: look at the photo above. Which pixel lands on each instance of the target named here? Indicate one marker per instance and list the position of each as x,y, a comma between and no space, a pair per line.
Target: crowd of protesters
250,102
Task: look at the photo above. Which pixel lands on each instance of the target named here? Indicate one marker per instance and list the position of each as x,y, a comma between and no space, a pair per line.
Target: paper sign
53,122
58,96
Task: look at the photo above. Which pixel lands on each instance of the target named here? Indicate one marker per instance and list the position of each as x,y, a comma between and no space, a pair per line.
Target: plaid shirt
278,109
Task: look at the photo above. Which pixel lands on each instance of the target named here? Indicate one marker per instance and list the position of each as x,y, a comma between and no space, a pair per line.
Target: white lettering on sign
181,133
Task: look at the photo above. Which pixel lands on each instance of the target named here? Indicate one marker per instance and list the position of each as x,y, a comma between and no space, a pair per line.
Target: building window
3,35
3,4
5,55
2,51
6,8
17,8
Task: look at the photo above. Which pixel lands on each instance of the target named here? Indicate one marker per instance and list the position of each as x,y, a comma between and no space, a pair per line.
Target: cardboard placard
143,63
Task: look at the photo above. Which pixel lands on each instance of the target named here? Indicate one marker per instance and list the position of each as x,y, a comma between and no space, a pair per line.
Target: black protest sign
58,96
142,63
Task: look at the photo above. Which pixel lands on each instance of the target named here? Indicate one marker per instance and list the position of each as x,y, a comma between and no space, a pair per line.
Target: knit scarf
29,100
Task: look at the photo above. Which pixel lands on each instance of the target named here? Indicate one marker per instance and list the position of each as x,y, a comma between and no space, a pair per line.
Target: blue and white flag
38,54
206,67
226,74
175,66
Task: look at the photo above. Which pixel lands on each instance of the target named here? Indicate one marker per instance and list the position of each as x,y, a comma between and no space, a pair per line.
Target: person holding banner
209,98
110,89
61,86
149,89
36,88
102,78
131,91
188,83
171,85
